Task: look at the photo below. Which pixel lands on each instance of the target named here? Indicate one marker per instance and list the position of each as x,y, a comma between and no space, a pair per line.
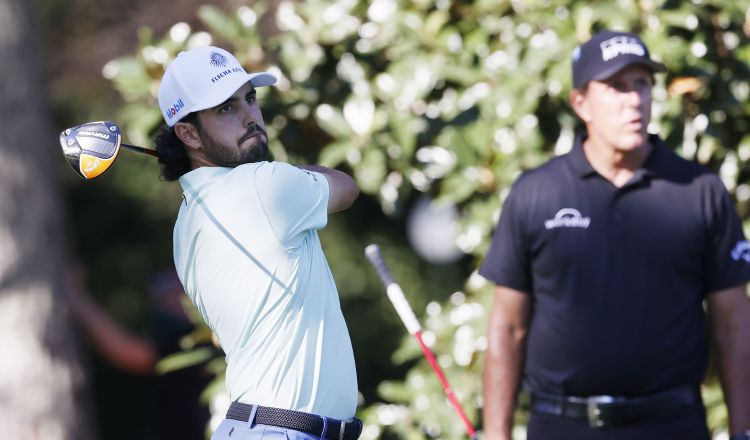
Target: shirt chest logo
568,218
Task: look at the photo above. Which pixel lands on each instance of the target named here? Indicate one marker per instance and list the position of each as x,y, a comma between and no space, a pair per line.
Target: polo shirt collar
196,179
577,159
657,163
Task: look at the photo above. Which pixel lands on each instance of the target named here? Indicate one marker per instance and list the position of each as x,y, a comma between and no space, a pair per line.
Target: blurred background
435,107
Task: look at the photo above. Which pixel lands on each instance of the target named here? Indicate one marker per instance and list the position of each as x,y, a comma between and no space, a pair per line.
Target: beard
232,156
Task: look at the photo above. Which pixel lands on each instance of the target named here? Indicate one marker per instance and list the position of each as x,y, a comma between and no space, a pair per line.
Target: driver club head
91,148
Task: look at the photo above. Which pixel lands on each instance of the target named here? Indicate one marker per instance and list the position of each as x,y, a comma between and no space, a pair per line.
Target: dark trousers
685,424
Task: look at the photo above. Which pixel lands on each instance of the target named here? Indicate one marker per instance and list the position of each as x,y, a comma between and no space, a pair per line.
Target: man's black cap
606,53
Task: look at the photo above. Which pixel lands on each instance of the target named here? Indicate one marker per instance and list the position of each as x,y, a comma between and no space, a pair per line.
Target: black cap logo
622,45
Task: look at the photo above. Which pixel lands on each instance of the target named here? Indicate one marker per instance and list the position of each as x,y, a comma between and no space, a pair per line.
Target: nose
634,98
251,114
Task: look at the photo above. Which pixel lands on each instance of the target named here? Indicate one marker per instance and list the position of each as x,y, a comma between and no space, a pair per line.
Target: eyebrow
232,99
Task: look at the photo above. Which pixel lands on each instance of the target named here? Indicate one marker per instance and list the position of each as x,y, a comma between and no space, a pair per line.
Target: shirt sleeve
728,252
507,262
294,200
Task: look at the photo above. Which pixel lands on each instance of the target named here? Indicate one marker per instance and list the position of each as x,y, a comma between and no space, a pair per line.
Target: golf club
405,312
91,148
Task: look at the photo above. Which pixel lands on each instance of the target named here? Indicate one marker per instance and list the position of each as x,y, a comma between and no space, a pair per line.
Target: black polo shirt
617,275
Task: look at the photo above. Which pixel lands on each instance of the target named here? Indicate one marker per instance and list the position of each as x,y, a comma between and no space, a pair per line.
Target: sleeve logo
741,251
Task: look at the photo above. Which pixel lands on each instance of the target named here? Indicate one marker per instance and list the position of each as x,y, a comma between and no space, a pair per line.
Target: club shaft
149,151
444,382
405,312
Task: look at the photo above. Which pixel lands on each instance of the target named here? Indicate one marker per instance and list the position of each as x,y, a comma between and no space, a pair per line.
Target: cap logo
225,73
174,109
218,60
621,45
576,54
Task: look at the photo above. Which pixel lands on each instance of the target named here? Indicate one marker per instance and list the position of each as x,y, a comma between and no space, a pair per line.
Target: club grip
372,252
405,312
393,290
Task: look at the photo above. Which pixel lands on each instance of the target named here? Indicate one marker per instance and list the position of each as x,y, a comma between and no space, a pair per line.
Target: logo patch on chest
568,218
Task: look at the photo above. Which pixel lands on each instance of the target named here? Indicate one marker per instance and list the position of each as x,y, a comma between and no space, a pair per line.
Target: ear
188,134
579,103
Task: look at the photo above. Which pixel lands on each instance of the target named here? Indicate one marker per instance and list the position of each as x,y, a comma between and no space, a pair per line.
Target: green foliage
184,359
454,99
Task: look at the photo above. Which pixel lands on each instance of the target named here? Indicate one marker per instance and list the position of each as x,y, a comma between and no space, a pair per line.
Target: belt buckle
594,406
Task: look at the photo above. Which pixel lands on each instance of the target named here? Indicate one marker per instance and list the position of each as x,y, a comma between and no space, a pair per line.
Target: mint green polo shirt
247,251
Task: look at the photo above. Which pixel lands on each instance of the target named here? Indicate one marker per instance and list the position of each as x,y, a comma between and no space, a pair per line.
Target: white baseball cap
201,78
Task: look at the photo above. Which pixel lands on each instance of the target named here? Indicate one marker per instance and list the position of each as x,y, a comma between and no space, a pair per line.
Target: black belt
299,421
602,411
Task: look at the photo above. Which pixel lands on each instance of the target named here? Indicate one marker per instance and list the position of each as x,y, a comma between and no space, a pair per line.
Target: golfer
247,251
603,260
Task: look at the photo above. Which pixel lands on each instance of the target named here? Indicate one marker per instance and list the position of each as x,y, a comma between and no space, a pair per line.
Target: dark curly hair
173,156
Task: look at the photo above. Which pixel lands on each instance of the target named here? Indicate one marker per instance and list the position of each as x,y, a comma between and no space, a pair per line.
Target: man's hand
730,326
504,359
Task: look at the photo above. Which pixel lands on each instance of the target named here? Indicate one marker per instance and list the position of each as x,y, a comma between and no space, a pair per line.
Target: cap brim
653,66
262,79
231,85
